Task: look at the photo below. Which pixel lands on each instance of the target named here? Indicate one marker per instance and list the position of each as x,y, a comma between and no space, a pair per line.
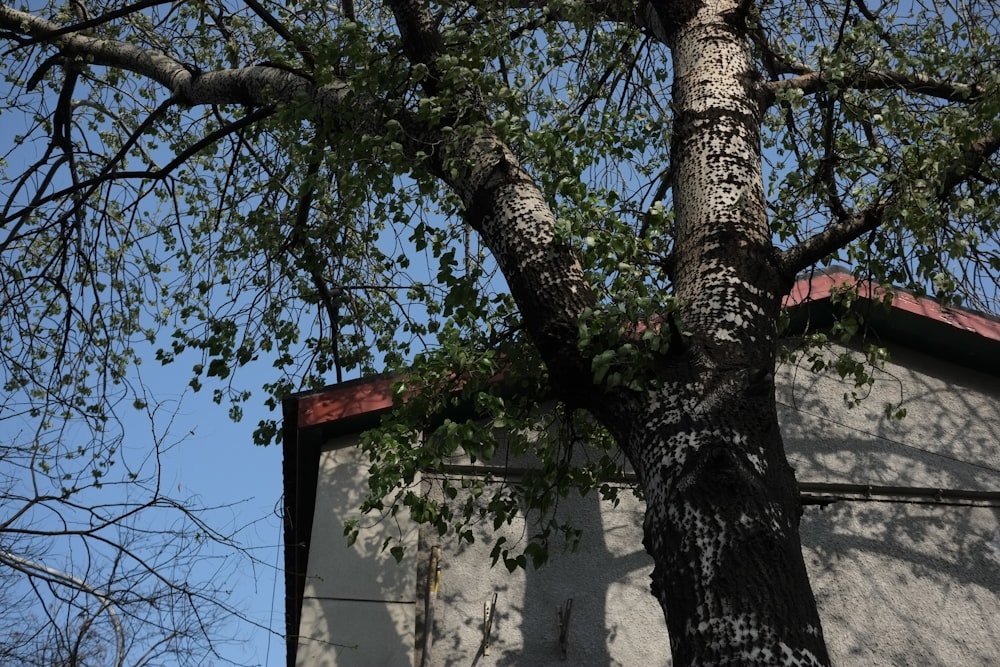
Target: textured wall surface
902,584
358,606
897,584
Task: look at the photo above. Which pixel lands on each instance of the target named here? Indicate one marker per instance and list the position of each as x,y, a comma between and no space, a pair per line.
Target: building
901,532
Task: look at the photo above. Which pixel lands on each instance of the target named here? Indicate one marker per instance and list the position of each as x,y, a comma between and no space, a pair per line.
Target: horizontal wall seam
368,600
811,493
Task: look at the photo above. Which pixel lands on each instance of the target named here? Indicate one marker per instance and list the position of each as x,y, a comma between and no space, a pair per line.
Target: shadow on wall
613,618
602,622
948,439
901,584
358,606
897,585
905,585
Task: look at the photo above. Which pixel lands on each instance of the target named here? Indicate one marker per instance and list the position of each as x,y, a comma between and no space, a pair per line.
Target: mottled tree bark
722,503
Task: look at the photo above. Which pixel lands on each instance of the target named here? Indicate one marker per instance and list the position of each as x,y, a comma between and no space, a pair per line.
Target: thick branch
90,23
422,42
832,238
922,84
505,207
254,86
849,228
544,273
153,64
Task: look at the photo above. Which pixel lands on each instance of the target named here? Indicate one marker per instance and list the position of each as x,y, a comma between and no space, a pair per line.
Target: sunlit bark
702,434
722,504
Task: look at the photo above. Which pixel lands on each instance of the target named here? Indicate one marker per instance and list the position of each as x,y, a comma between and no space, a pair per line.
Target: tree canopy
576,194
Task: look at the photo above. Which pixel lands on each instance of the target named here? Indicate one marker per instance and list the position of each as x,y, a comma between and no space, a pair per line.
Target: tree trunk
722,502
721,522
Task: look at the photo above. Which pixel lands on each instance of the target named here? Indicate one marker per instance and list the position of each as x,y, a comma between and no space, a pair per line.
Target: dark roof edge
952,334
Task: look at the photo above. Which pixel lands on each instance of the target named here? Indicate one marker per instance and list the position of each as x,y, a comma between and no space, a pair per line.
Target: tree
476,187
98,566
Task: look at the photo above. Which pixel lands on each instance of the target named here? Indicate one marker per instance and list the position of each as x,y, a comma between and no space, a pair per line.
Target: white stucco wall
614,620
902,584
358,607
896,584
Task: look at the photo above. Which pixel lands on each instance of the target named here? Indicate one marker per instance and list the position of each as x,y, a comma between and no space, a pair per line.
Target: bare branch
643,14
149,174
66,579
276,25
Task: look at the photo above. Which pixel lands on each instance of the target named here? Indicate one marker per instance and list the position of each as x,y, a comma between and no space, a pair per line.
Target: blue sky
218,465
207,461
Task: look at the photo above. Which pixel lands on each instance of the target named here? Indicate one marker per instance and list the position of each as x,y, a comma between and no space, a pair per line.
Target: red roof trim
373,395
820,286
344,401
